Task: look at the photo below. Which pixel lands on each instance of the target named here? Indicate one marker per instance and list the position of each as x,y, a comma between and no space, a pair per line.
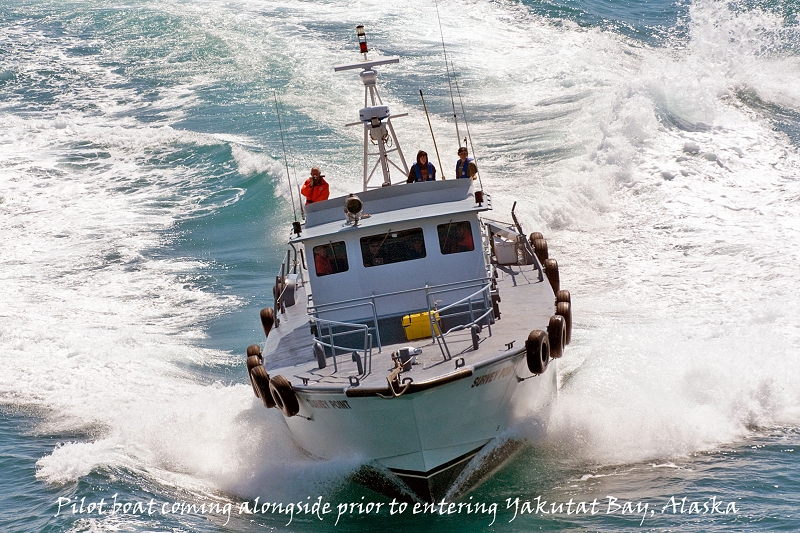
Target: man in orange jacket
315,189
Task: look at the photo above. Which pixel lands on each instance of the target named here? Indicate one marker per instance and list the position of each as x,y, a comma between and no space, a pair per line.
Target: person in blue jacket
422,170
465,166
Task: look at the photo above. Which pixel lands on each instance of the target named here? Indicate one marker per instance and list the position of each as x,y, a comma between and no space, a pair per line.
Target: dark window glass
330,258
392,247
455,237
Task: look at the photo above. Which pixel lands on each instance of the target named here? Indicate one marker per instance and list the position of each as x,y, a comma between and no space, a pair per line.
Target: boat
407,328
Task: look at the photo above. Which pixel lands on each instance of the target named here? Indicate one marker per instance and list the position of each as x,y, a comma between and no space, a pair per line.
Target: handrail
285,270
313,312
470,311
482,289
497,227
366,347
322,307
484,283
439,335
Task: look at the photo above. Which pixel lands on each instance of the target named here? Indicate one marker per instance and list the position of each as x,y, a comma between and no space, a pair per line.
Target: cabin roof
394,204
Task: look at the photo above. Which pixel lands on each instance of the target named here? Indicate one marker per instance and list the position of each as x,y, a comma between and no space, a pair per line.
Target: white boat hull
420,436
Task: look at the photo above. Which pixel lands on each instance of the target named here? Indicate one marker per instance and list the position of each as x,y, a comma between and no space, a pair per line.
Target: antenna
286,162
425,107
466,124
376,117
362,40
447,67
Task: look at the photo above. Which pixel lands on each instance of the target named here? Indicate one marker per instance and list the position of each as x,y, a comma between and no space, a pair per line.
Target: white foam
686,331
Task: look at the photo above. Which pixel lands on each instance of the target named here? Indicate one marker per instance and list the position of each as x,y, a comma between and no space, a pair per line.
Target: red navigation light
362,39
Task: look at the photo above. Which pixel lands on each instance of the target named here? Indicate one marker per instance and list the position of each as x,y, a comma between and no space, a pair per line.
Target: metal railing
478,310
288,266
484,296
349,329
354,327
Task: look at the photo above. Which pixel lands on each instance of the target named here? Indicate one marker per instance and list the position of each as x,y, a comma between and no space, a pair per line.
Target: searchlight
353,208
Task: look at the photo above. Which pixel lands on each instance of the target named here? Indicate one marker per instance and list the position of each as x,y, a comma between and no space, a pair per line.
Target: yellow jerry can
418,325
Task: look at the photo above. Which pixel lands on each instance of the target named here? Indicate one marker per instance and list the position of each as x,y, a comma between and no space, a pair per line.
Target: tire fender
283,395
557,335
565,309
551,271
261,382
537,351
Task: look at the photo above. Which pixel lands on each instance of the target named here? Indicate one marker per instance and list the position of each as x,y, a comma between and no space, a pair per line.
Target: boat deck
527,303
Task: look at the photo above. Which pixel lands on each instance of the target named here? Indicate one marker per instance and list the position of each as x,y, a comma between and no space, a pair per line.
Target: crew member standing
422,170
315,189
465,166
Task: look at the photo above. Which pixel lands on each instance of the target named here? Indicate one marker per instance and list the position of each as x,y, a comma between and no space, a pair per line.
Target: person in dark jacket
465,166
422,170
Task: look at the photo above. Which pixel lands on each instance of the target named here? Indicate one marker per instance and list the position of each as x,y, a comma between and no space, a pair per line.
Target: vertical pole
425,107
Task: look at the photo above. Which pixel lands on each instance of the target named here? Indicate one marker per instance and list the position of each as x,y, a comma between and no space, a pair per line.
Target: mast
377,120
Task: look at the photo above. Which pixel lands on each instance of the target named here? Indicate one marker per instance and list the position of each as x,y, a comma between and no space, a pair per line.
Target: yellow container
418,325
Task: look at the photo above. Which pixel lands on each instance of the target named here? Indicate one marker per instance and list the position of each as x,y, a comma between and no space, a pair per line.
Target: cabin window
330,258
392,247
455,237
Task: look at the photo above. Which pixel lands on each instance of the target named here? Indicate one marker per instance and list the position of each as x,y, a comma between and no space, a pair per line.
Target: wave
655,170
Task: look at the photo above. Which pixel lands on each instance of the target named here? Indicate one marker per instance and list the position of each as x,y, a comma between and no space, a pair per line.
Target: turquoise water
144,205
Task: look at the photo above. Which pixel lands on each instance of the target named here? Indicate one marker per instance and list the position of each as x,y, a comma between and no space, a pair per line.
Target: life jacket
315,193
431,172
462,173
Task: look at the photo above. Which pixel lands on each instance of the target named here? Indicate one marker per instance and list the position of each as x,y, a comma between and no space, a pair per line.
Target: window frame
451,248
397,251
339,249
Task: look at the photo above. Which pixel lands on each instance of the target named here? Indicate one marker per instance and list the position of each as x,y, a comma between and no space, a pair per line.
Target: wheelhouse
416,249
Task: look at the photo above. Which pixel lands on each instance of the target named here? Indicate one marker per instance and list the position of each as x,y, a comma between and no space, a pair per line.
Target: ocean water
144,205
